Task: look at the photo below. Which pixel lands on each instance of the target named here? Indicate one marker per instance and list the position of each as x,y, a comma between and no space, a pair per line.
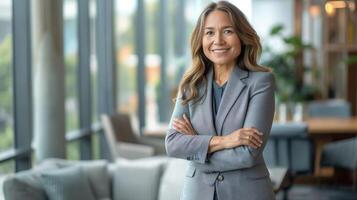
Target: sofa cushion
172,180
138,179
68,183
27,184
95,170
17,188
97,174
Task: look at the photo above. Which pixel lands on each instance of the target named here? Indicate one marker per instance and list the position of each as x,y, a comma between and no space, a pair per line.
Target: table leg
319,144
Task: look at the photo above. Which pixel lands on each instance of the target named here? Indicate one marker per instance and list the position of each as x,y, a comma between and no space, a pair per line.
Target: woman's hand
244,136
183,126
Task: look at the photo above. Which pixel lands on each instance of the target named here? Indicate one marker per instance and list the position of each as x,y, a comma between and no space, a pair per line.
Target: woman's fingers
255,139
182,123
182,126
250,129
244,136
188,123
250,143
185,118
254,133
178,126
251,138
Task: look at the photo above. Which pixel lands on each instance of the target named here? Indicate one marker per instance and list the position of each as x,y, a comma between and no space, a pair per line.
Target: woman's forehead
219,18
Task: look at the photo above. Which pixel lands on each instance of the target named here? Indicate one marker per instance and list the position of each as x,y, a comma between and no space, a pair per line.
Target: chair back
330,108
289,130
289,146
342,154
109,133
123,130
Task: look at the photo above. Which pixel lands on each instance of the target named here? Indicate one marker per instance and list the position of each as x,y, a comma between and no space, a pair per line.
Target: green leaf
351,60
276,30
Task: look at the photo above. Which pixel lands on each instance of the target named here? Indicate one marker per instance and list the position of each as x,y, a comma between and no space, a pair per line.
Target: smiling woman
220,42
224,110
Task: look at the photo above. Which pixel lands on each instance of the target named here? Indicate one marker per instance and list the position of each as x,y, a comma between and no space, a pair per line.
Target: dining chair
289,146
342,154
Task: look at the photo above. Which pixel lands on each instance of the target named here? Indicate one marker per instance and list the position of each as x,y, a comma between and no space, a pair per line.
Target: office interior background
64,63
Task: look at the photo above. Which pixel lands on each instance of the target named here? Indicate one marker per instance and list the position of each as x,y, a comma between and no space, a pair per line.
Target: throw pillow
95,170
97,174
67,184
137,180
15,188
172,180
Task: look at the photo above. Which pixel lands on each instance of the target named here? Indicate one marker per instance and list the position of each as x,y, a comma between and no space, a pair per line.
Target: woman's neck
222,73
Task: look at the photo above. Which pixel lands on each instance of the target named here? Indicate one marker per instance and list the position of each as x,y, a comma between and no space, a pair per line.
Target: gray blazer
237,173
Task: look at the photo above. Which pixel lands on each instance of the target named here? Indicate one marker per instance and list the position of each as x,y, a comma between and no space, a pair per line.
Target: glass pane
95,146
152,62
71,63
179,30
179,52
71,76
73,150
93,60
126,58
6,87
6,168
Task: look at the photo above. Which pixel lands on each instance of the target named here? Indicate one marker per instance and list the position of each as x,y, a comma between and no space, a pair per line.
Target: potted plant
290,89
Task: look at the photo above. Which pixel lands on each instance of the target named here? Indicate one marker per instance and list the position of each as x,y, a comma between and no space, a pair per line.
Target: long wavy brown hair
250,50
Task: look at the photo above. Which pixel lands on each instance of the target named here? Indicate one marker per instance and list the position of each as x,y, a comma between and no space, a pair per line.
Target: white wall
267,13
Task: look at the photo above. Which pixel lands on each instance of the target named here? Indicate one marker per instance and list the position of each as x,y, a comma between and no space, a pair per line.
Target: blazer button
220,177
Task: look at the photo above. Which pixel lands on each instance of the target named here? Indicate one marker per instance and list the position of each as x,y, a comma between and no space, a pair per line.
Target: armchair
123,142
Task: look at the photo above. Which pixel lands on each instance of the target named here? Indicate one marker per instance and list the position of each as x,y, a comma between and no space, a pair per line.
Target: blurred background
69,67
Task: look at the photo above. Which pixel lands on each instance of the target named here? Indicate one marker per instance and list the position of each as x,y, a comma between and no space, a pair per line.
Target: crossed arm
236,150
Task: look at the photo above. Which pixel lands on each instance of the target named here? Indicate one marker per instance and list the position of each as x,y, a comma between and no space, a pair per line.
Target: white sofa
156,178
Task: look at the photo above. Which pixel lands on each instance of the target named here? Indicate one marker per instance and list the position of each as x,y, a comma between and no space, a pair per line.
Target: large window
152,62
93,72
125,56
71,63
71,75
6,86
166,51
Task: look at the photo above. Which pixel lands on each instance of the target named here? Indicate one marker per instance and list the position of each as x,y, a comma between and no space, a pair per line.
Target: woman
224,110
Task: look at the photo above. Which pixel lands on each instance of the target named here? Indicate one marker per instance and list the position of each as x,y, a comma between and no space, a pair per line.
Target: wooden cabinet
339,42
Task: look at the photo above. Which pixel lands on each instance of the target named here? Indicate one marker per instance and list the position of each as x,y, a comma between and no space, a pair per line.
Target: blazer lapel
206,103
234,87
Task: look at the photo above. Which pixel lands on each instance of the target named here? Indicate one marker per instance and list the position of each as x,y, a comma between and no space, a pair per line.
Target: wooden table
325,130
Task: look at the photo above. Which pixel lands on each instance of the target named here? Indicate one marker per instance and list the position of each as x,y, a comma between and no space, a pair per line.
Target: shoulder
261,78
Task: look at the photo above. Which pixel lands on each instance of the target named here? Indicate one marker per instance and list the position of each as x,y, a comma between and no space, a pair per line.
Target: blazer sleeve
259,115
179,145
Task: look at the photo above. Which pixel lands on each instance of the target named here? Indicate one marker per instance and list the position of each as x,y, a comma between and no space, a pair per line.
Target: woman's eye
228,31
209,33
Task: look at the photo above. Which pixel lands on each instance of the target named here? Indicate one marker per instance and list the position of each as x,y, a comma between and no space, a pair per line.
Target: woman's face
220,41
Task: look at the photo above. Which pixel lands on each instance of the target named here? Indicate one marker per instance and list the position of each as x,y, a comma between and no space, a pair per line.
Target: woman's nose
218,39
